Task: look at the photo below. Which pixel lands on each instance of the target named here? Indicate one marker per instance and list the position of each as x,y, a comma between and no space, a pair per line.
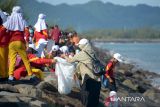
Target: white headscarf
55,48
15,21
41,24
64,49
3,16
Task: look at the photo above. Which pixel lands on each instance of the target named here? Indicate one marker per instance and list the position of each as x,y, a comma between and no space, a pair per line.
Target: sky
121,2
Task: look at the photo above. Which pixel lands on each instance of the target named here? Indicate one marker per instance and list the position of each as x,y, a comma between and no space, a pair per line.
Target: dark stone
128,74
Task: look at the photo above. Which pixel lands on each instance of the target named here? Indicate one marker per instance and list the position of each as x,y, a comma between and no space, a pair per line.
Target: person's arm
34,36
73,59
27,34
45,33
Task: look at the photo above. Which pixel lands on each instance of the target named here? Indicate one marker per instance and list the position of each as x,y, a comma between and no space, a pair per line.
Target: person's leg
112,86
12,58
22,52
3,62
94,93
38,73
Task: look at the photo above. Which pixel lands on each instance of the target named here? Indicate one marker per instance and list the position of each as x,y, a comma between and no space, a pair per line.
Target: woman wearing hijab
40,29
89,95
4,39
16,26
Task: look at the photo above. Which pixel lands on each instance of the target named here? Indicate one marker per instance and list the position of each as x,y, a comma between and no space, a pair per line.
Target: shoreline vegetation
133,35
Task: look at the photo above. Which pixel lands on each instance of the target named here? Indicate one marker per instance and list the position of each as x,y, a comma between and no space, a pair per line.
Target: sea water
144,55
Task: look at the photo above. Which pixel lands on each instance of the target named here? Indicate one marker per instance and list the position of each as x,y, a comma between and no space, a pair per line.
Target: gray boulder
130,84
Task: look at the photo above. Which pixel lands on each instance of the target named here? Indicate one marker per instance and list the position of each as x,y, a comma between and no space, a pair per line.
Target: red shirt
38,62
17,36
110,69
4,37
40,35
55,34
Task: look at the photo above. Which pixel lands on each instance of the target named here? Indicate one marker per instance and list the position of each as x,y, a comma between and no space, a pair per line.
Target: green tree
7,5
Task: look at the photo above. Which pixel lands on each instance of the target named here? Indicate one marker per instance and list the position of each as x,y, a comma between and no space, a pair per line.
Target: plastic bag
64,72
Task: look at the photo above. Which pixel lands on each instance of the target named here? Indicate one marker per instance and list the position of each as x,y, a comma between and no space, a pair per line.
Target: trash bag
65,73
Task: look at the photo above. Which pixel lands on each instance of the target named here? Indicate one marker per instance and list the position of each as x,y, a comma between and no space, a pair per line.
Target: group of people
27,51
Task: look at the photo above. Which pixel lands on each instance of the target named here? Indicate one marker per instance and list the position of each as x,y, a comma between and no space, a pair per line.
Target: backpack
98,67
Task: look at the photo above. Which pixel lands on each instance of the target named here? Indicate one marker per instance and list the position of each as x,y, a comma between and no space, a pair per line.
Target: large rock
28,90
8,87
153,94
46,86
10,99
130,84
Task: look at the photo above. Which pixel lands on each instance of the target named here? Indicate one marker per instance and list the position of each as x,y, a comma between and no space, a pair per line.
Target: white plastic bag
64,72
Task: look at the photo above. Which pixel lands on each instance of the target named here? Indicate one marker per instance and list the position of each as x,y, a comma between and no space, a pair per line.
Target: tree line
137,33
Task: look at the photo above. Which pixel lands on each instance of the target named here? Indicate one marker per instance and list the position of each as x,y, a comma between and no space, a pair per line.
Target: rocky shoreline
131,83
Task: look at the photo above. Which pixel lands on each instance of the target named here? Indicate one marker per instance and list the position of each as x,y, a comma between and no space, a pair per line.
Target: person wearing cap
16,25
110,69
40,29
4,41
85,67
42,44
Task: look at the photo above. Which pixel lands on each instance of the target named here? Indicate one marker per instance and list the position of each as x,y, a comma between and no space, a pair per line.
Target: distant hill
93,15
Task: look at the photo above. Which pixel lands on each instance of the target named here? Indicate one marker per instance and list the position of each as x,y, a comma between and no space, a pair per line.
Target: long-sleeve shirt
55,34
38,62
